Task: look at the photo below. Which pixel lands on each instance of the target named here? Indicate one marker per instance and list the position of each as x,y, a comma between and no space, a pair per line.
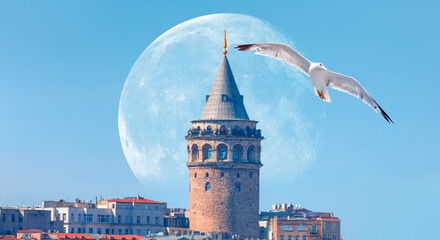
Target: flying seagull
321,77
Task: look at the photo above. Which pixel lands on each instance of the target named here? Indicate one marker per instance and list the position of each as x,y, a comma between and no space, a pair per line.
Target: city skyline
63,67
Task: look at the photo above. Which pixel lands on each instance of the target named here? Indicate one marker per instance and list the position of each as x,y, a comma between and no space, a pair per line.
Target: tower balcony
197,133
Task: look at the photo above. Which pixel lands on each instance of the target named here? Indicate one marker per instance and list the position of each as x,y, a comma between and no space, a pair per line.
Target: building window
296,237
194,152
72,230
126,231
90,230
222,152
195,175
13,217
304,237
113,231
281,237
250,175
79,230
290,237
20,218
237,187
157,220
107,231
334,236
79,217
237,152
314,238
3,217
138,219
251,154
120,231
99,231
208,186
324,236
223,97
89,218
222,174
207,174
238,175
207,151
209,128
148,219
314,229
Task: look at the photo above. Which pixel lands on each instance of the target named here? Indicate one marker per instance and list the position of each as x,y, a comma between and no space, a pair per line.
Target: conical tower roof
224,102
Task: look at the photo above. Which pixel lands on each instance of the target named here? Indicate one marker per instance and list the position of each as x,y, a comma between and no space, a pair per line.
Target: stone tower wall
223,208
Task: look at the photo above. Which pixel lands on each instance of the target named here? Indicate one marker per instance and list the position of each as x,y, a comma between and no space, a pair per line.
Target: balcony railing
235,132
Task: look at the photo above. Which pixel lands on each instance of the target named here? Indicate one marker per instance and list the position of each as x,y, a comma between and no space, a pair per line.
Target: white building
135,215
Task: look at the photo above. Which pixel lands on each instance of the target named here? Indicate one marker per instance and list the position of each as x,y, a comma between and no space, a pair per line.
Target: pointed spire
225,45
224,101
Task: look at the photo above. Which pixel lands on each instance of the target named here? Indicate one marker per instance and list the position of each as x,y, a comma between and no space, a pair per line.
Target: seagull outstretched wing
351,86
281,52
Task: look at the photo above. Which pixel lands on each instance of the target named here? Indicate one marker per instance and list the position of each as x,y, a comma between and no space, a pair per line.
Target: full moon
167,85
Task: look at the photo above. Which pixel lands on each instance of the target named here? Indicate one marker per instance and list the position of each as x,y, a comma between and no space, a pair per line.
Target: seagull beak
325,68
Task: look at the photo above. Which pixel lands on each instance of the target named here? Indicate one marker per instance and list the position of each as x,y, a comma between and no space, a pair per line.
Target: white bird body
320,76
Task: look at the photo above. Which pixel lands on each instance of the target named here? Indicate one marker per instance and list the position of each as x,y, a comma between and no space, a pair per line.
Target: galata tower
224,163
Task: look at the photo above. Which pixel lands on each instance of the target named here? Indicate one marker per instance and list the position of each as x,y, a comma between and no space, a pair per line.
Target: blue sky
63,65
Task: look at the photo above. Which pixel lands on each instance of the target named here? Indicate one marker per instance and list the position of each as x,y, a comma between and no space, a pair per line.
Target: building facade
224,163
15,219
286,222
126,216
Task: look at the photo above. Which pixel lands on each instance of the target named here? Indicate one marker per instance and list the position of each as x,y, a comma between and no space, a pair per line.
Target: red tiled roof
327,219
74,236
7,237
127,237
30,231
131,200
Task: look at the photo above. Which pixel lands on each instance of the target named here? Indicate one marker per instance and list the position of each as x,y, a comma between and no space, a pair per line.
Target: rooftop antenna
225,45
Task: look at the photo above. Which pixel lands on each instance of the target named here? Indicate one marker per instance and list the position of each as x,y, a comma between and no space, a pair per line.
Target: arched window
195,175
207,174
194,152
208,186
237,187
207,151
251,154
237,152
209,128
222,151
222,130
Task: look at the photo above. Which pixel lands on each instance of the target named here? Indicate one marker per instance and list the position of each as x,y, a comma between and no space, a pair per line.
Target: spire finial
225,45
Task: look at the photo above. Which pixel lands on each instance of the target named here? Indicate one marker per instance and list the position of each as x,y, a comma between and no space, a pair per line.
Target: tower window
223,97
237,187
208,186
195,175
222,152
207,151
207,174
251,154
